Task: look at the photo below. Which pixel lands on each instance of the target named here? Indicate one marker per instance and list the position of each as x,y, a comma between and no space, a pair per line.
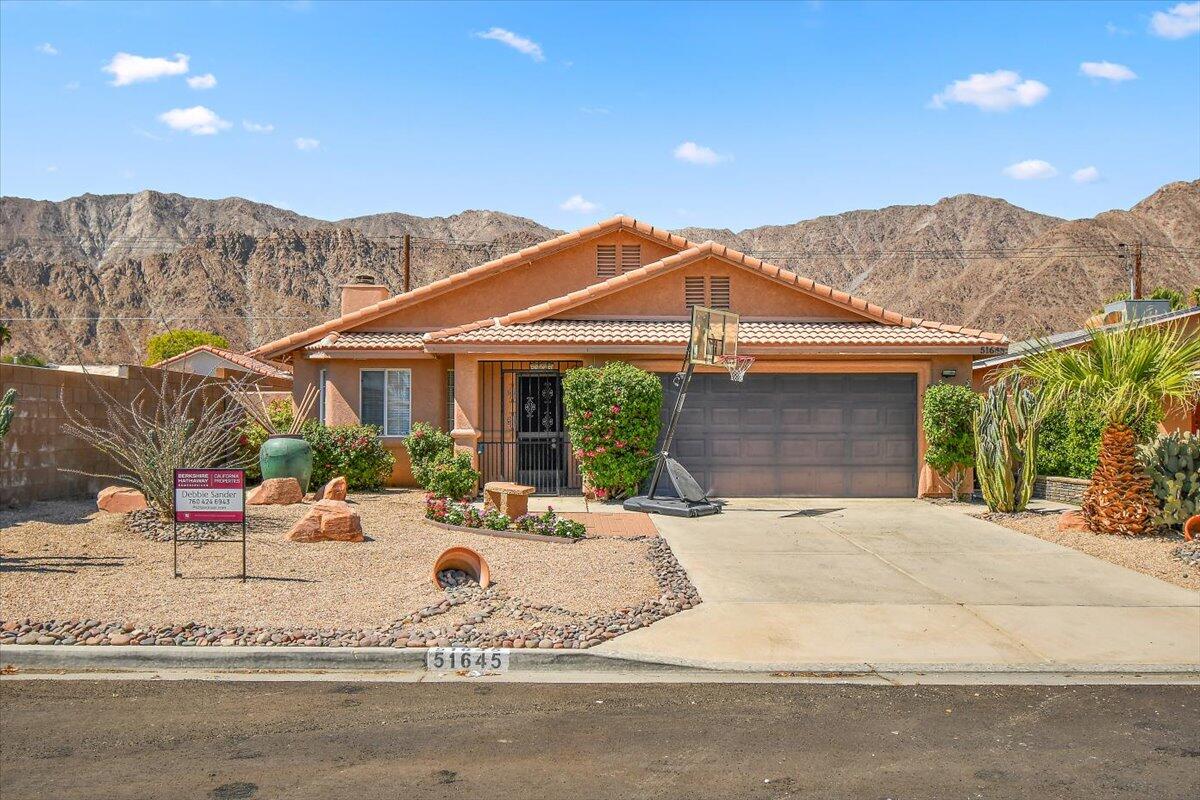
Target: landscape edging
533,537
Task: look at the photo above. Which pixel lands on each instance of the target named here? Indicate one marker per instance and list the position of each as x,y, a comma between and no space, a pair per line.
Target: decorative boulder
334,490
120,500
328,521
1072,521
276,492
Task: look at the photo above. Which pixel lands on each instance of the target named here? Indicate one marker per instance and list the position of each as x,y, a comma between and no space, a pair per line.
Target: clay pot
286,456
467,560
1191,528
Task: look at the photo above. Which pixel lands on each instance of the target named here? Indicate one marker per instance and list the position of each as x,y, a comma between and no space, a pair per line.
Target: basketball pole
676,410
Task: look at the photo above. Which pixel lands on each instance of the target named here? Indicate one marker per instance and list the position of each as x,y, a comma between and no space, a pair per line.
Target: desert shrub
24,359
251,435
947,413
451,475
613,421
1069,439
424,445
550,524
1173,463
353,451
167,345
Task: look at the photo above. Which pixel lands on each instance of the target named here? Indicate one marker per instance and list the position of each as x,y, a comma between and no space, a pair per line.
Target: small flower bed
443,509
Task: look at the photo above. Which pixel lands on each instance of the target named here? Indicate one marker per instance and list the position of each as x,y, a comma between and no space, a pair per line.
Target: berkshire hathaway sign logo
210,495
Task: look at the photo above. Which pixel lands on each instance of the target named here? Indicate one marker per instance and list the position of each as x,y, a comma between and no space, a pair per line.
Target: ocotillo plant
1006,445
7,409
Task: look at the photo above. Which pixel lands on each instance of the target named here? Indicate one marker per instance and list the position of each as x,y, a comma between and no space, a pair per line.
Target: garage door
800,435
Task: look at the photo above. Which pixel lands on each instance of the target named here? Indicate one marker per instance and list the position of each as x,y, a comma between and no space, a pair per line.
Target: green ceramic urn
286,456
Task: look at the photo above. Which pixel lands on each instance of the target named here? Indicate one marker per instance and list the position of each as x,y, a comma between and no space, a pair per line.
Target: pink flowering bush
613,421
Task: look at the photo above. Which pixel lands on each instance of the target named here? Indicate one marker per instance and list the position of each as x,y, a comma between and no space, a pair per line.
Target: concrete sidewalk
839,584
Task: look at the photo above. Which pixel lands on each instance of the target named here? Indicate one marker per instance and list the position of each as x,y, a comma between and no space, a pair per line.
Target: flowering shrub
613,421
550,524
451,475
424,445
495,521
353,451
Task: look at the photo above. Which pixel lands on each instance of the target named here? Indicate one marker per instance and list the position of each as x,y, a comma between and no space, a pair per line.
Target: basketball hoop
738,366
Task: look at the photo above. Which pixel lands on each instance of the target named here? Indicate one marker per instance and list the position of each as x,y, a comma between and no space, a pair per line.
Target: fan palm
1127,373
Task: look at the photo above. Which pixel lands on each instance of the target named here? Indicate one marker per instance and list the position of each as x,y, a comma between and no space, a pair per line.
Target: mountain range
91,277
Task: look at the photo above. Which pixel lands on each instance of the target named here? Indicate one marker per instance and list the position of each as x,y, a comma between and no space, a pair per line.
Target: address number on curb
453,658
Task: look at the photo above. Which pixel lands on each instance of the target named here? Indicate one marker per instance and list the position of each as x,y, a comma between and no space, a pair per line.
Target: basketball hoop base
671,506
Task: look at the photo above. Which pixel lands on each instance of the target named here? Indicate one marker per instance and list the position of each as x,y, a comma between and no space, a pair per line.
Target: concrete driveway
905,584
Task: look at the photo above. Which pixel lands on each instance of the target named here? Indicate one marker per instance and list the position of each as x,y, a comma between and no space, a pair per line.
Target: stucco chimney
362,292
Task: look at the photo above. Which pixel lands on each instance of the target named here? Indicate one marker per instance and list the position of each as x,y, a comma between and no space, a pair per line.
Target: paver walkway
805,583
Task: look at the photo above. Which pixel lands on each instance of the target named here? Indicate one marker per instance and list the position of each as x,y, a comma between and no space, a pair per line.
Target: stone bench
507,498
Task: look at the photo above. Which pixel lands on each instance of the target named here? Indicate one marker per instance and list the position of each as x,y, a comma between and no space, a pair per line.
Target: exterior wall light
949,373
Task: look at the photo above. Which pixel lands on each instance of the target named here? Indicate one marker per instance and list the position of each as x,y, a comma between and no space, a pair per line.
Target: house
1132,313
831,407
218,362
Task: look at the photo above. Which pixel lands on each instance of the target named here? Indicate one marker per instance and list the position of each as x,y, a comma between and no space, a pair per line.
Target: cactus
1173,464
1006,445
7,409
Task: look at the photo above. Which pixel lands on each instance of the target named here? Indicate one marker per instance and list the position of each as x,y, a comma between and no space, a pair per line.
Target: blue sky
715,115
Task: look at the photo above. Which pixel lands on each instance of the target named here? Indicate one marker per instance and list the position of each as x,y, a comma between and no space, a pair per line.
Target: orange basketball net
737,365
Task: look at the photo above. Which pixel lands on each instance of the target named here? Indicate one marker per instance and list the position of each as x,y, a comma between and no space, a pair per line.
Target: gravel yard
63,561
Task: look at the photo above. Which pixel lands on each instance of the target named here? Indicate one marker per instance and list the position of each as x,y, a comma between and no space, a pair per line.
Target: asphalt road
100,740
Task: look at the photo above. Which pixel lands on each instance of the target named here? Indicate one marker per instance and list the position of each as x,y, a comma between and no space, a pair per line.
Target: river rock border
418,629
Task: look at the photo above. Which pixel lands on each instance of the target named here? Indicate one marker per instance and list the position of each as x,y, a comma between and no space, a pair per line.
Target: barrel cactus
7,409
1173,463
1005,429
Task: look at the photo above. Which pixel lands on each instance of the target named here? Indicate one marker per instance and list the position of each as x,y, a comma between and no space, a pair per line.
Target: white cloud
72,86
304,143
1032,170
1116,30
1086,175
698,154
207,81
992,91
576,203
197,120
257,127
1107,70
515,41
1177,22
126,68
47,49
52,168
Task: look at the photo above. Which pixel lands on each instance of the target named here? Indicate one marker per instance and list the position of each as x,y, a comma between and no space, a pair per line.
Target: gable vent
631,257
693,291
606,260
718,292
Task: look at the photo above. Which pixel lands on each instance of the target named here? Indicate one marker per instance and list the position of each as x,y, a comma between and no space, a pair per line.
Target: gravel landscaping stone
73,579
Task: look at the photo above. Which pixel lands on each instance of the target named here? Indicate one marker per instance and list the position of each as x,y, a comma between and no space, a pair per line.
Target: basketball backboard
714,336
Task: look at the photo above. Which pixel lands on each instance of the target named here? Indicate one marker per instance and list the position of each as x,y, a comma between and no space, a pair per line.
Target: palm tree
1127,373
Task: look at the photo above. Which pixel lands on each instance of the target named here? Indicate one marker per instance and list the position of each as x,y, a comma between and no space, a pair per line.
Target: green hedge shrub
613,421
1069,440
172,343
424,445
948,411
451,475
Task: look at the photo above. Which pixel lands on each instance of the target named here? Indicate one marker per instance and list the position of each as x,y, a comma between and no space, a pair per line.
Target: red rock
1072,521
276,492
120,500
328,520
334,490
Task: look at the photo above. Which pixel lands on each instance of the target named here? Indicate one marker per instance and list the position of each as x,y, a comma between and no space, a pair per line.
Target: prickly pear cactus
7,408
1173,464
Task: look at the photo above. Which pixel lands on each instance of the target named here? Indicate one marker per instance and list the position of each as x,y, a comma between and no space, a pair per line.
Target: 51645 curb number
454,658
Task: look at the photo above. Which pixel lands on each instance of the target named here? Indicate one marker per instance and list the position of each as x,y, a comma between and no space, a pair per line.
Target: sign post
208,496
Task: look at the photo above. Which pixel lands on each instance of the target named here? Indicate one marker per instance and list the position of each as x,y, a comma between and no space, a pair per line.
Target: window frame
383,434
322,388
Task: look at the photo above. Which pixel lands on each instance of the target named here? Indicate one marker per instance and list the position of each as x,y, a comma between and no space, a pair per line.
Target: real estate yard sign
209,496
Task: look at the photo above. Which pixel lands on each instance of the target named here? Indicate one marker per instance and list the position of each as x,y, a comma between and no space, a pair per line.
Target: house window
711,292
385,400
606,260
449,400
631,257
322,383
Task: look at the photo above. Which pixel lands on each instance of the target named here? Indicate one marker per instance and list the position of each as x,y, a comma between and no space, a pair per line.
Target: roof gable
240,361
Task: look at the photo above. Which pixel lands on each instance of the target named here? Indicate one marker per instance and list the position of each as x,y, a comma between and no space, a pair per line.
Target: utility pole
1123,256
1136,293
408,261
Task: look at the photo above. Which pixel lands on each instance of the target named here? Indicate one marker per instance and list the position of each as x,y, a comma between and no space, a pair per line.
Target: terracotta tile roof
560,304
356,340
259,366
751,333
468,276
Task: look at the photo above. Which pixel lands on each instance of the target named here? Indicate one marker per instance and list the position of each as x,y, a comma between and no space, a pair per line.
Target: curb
409,659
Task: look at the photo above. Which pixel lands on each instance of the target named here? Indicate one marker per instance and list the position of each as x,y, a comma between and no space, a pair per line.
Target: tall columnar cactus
1006,445
7,409
1173,464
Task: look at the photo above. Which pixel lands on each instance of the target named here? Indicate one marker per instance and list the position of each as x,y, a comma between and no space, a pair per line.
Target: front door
541,443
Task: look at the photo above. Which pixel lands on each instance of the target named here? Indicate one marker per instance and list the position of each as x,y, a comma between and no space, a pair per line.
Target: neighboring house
1133,313
218,362
830,408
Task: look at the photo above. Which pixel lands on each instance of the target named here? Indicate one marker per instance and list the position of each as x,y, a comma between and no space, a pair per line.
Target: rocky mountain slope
254,272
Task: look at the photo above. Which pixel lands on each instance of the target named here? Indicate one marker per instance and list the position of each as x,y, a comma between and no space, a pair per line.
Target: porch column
466,431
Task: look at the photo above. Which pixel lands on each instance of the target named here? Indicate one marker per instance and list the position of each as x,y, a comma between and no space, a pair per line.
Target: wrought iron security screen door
541,444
